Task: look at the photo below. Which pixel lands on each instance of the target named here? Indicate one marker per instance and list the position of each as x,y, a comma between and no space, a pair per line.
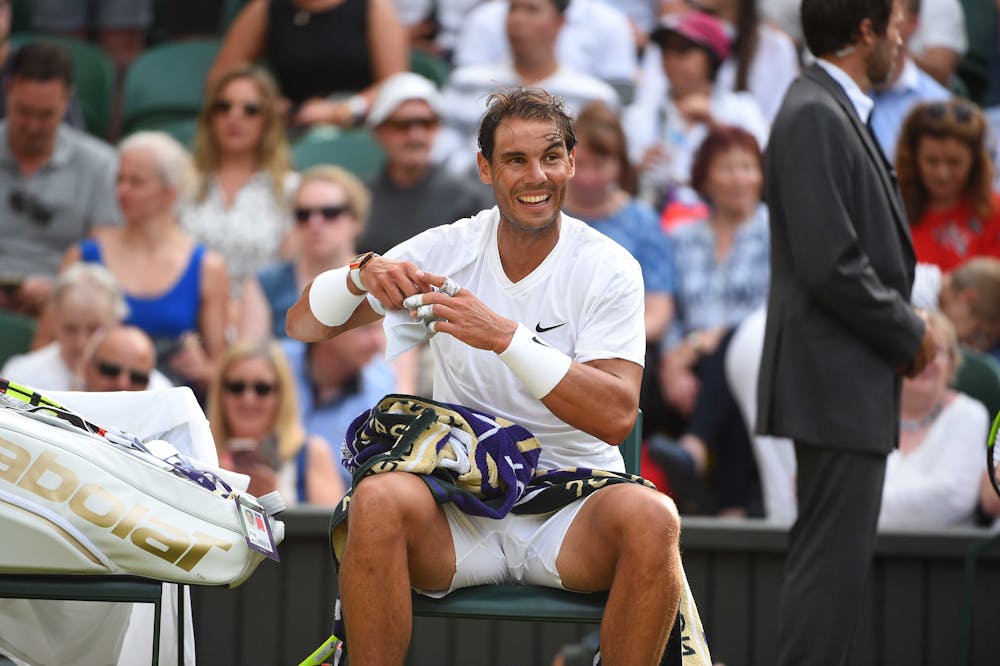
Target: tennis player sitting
544,327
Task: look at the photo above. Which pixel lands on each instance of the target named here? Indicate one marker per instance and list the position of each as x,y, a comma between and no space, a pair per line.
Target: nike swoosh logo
541,329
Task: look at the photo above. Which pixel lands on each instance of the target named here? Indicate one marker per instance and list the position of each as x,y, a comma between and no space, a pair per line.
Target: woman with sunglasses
330,208
945,177
254,415
240,207
329,56
176,290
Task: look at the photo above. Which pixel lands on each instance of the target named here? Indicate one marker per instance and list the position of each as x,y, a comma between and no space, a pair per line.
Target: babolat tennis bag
76,497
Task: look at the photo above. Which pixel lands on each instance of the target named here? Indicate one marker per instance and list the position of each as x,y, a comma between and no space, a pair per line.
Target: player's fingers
426,311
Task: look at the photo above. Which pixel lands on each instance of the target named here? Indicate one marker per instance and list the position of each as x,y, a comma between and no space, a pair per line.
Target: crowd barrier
913,613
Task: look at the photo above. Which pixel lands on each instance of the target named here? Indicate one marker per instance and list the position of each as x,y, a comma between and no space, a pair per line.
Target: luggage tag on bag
256,529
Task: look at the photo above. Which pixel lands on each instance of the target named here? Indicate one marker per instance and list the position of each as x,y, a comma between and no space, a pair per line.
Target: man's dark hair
561,6
41,62
830,25
523,104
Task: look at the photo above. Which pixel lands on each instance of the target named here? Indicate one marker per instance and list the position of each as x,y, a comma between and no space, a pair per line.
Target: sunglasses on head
328,213
115,370
24,202
961,112
249,108
239,387
406,124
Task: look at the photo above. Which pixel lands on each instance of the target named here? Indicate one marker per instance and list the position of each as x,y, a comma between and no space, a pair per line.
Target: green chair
16,333
529,602
979,377
354,149
974,67
166,83
22,16
93,74
430,66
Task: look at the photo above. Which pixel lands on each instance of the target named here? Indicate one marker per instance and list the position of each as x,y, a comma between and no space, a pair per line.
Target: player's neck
523,250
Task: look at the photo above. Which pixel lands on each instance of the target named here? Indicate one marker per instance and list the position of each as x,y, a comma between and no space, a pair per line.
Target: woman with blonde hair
945,177
176,290
253,412
244,173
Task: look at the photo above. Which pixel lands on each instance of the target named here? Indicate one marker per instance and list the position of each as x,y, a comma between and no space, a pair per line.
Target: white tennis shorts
514,549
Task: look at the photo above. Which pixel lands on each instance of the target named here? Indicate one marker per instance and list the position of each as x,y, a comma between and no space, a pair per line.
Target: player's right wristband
331,302
540,366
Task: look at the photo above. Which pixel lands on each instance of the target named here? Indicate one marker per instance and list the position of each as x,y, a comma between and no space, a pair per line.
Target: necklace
915,425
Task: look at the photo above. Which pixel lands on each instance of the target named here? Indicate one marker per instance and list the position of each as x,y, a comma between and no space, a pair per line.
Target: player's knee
380,501
655,524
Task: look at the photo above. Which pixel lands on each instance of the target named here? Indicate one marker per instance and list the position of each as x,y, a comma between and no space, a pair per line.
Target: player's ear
572,162
485,174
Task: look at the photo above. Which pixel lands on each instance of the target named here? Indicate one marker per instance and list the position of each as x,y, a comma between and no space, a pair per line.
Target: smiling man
545,331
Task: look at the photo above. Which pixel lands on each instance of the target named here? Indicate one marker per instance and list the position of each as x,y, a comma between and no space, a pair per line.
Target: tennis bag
76,498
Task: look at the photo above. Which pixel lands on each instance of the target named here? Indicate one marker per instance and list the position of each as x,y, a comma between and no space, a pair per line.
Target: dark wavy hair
524,104
954,119
830,25
720,140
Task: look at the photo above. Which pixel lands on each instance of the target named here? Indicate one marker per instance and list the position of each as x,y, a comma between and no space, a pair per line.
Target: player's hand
391,280
463,316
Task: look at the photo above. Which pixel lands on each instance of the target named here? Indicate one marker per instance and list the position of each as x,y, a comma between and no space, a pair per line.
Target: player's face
529,172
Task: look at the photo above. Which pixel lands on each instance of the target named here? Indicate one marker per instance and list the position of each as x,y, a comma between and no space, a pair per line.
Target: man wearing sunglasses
412,194
57,184
121,358
546,330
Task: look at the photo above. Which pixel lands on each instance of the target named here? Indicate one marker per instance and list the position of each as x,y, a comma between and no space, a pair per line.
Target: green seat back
354,149
429,66
182,129
974,67
16,333
22,17
529,602
979,377
167,82
93,75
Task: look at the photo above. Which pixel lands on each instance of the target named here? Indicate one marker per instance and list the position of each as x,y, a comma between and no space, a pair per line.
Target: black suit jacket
839,323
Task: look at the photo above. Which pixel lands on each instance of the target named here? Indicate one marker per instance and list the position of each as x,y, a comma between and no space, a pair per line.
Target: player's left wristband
540,366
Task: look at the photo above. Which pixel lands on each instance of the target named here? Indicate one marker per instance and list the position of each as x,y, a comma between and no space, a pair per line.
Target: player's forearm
596,401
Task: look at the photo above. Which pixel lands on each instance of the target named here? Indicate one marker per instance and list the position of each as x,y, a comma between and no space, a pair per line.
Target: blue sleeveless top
170,314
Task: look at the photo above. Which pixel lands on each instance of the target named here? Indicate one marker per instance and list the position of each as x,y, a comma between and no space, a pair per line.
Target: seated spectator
412,194
722,266
337,379
434,25
532,27
328,56
602,194
969,296
245,177
57,183
941,38
177,291
664,132
907,86
330,207
120,358
933,478
254,415
945,177
596,40
119,25
85,299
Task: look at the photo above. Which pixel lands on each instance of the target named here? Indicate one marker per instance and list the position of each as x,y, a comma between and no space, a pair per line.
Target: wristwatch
356,265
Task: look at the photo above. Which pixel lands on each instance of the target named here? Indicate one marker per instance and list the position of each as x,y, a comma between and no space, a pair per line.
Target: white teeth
538,198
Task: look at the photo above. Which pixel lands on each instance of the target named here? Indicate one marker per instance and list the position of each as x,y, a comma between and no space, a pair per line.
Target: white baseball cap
400,88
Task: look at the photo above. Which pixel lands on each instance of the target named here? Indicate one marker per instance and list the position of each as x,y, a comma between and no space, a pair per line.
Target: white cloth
942,24
775,456
588,291
465,102
45,370
247,234
937,484
861,102
926,286
596,39
43,632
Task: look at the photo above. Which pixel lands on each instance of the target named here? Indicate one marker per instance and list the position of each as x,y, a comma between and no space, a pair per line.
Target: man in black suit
840,331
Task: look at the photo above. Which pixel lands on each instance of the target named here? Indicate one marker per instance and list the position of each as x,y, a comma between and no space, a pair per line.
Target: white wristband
534,362
331,302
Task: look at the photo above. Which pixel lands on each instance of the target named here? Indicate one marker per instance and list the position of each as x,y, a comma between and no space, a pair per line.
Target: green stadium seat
22,17
93,74
16,333
529,602
166,83
979,377
430,66
353,149
974,67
